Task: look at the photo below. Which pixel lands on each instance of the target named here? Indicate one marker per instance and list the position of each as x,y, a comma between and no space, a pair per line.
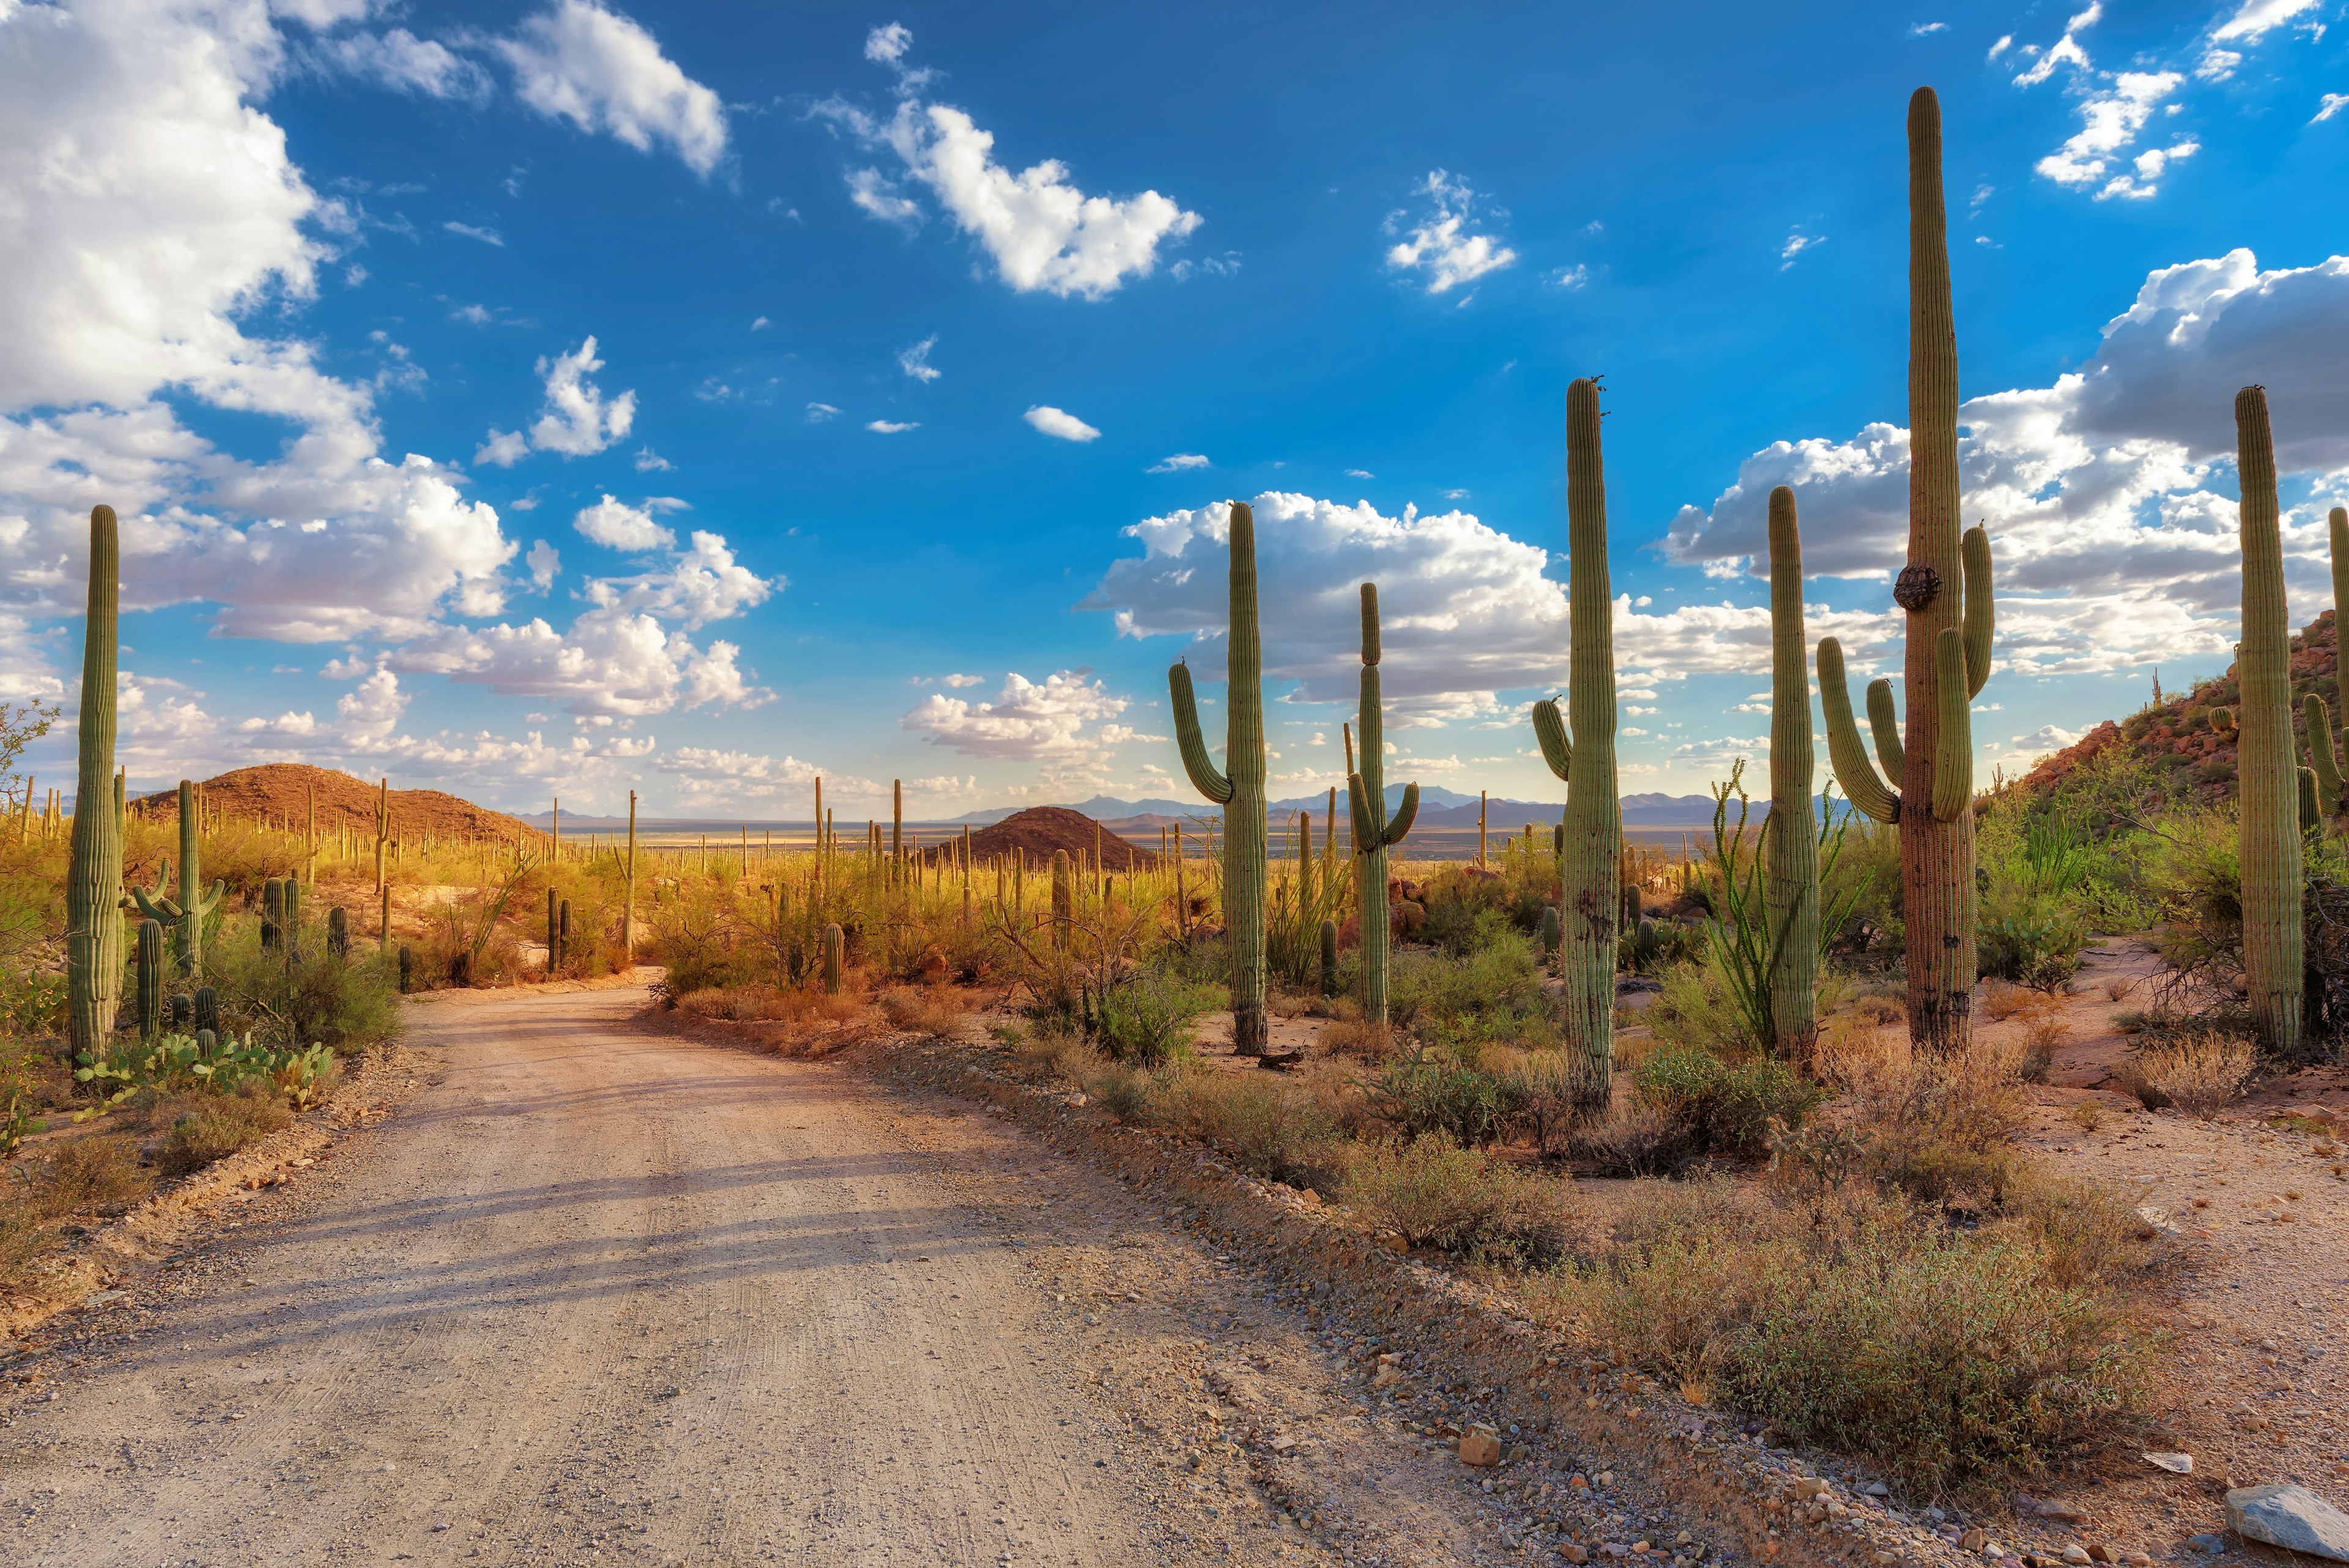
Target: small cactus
1064,900
338,932
1551,931
183,1007
833,943
272,925
407,970
207,1008
1329,959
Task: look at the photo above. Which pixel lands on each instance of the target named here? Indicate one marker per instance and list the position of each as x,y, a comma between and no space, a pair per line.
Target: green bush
1151,1019
1728,1106
1268,1126
1490,991
218,1129
1431,1090
307,997
1435,1193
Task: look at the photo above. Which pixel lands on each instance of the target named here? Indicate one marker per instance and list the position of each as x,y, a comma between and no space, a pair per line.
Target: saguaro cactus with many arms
1791,853
94,881
1239,790
2270,777
1375,831
1590,865
1946,589
187,913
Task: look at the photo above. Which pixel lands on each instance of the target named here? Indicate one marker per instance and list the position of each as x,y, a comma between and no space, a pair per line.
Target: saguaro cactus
1329,959
1580,749
1946,589
150,979
1791,852
1240,790
338,931
833,944
1374,831
1064,900
94,880
2323,754
187,913
2269,778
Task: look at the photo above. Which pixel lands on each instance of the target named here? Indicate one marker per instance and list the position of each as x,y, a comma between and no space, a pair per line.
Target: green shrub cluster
1728,1108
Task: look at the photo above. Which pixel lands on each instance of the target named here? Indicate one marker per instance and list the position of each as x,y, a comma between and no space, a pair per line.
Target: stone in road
599,1295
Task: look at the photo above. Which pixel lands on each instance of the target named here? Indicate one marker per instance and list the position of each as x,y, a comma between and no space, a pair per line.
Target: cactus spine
1946,590
1579,748
1791,850
94,883
1240,791
187,913
1374,831
2270,843
150,979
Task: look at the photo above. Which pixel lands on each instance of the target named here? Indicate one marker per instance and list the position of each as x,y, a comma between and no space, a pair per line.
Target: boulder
1480,1446
1407,919
2292,1517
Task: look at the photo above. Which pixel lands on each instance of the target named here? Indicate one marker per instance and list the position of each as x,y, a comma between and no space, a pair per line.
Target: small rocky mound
1041,829
280,794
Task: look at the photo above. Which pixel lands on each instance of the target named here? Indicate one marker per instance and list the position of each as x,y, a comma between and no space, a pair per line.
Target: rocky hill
2176,732
281,794
1041,829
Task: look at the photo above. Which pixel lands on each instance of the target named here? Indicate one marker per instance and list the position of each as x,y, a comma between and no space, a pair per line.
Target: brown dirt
280,792
1041,829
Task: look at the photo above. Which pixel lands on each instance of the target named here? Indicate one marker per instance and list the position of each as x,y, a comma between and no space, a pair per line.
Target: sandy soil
599,1295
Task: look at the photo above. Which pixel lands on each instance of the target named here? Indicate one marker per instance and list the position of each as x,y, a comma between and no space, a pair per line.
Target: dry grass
933,1011
1435,1193
2087,1116
1269,1125
1362,1040
772,1005
217,1127
2040,1042
2200,1075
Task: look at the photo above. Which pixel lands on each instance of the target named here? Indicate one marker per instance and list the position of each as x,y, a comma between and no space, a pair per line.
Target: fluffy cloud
2223,51
1027,721
1043,232
709,775
617,526
1467,612
916,361
701,585
1060,423
1178,462
401,60
1440,244
601,71
614,660
2112,121
2112,549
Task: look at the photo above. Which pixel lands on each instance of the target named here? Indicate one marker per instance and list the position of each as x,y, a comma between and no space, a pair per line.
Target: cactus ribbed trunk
94,882
1375,831
1937,856
2270,775
150,979
1590,874
1793,849
1064,901
628,908
1240,789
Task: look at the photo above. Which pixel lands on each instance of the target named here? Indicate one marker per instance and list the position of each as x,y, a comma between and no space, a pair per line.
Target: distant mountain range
1438,807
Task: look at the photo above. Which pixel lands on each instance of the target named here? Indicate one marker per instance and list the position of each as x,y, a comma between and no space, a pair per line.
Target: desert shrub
1863,1323
2090,1234
928,1011
1636,1140
1490,989
1696,1010
1151,1018
694,939
1433,1090
1728,1108
96,1173
307,996
1268,1127
1041,1057
1435,1193
1941,1129
2200,1073
1359,1039
2040,1042
1867,877
217,1127
1547,1090
2030,938
1123,1089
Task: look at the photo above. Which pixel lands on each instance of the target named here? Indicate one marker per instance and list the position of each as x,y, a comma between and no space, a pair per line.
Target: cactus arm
1953,755
155,907
210,899
2311,808
1406,813
1196,760
1981,609
1885,725
1845,750
1549,729
2321,756
1364,833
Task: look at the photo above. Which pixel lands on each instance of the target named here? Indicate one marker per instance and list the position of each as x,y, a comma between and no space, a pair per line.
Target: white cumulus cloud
577,419
616,524
602,71
1059,422
1028,721
1441,244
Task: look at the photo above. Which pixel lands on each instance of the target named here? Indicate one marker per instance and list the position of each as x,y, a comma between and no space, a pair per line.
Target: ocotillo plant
1239,791
1374,831
1792,850
1579,748
1946,590
94,882
2270,845
150,979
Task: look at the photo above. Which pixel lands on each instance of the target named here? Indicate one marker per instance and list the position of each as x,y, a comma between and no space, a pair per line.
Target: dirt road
596,1295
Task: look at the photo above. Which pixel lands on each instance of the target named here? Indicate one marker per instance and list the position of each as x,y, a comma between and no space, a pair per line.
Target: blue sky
561,398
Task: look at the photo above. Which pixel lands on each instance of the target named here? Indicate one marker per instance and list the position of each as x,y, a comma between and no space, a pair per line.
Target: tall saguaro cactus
187,913
2323,754
94,882
1946,590
1792,850
1375,831
2263,754
1240,789
1590,866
